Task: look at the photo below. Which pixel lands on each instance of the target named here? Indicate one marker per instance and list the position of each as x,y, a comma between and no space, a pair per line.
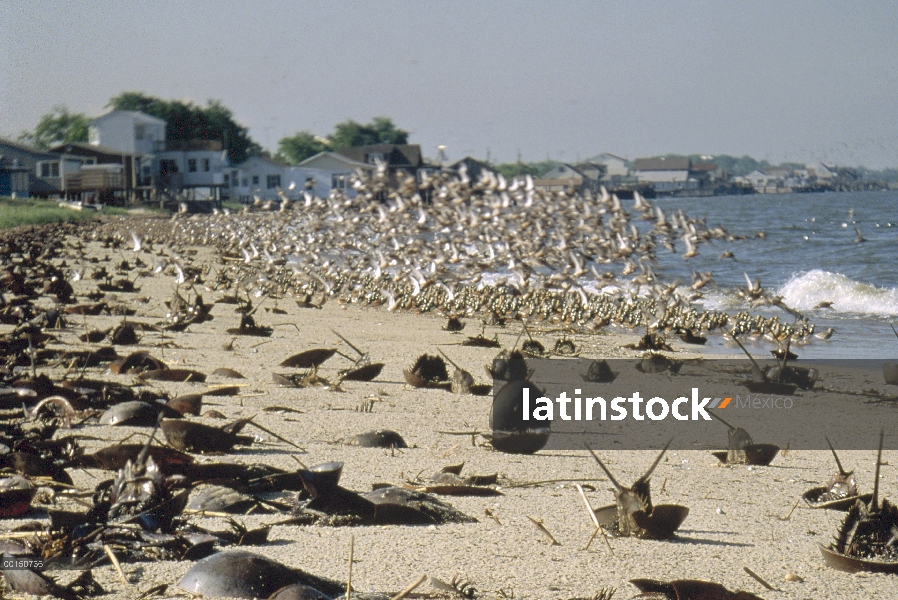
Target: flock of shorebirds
500,250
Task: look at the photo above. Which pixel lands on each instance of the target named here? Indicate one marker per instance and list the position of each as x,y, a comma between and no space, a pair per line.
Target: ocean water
809,254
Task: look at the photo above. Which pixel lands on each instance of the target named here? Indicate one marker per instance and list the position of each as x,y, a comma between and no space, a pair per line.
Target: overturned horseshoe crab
633,513
764,382
241,574
867,538
427,372
599,371
363,369
840,493
462,382
741,450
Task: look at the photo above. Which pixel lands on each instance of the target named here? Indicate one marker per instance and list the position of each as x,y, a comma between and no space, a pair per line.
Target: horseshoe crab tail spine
719,418
657,460
604,468
874,503
842,471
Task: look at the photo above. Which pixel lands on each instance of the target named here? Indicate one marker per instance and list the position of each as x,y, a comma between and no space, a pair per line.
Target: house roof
267,159
134,113
353,164
397,155
679,163
606,155
86,148
23,147
704,167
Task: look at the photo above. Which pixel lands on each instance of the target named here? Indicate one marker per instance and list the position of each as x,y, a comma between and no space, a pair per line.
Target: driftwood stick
410,588
545,532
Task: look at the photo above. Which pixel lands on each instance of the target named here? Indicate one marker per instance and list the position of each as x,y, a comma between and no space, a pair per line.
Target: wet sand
736,513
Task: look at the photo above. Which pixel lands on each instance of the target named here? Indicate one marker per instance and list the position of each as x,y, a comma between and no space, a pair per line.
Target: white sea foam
806,290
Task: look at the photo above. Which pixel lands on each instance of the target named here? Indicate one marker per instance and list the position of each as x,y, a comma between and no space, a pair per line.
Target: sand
736,516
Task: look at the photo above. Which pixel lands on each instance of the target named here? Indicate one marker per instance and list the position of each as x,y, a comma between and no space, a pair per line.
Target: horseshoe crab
599,371
511,433
16,494
363,369
240,574
188,436
772,381
379,438
866,540
331,504
633,513
840,493
462,382
688,589
427,372
742,450
136,414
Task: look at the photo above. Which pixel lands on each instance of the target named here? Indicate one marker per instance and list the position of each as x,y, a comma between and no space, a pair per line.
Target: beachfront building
195,168
666,175
617,169
42,169
97,173
13,177
128,131
582,178
338,168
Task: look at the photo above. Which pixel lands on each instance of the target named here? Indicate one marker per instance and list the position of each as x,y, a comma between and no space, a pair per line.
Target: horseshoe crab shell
401,506
298,591
135,413
685,589
246,575
16,494
866,539
511,433
379,438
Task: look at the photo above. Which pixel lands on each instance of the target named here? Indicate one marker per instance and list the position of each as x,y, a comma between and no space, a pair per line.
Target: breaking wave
806,290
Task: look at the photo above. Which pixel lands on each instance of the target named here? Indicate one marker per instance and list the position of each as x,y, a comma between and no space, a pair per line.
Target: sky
781,81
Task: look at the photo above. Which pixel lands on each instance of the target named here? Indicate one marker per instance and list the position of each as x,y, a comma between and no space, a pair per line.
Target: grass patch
31,211
233,205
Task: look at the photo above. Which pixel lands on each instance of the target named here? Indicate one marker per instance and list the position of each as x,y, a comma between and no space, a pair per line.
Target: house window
255,180
140,132
244,182
191,165
206,165
338,182
273,181
48,169
227,180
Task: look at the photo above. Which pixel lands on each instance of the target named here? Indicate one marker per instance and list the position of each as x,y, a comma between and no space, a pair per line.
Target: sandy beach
737,514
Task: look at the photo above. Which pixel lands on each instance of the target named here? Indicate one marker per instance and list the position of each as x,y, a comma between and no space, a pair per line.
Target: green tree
187,121
298,147
57,127
381,130
511,170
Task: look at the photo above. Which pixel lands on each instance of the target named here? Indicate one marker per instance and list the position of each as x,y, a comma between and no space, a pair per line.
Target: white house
195,168
128,131
667,170
615,166
340,169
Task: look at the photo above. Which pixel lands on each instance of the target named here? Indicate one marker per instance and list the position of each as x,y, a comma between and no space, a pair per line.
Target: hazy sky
777,80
